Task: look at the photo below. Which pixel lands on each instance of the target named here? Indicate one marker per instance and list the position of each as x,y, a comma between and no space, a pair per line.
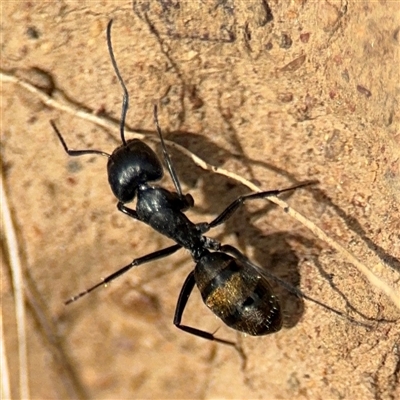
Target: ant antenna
125,101
76,153
167,158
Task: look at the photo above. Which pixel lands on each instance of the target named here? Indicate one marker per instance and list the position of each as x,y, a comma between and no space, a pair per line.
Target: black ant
235,290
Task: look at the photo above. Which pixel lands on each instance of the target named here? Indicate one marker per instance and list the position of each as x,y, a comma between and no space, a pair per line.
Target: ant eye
189,200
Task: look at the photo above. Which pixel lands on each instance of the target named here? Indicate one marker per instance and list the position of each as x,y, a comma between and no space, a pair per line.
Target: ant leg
182,205
138,261
168,161
227,213
128,211
75,152
180,307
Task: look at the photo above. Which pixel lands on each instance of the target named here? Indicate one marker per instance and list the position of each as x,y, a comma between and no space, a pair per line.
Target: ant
235,290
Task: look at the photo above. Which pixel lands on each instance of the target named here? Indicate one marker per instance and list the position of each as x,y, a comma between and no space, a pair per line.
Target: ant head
131,165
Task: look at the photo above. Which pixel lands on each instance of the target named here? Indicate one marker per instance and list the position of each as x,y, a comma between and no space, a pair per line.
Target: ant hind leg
180,307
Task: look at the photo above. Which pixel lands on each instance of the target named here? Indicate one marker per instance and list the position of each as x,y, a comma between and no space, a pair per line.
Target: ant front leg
128,211
180,308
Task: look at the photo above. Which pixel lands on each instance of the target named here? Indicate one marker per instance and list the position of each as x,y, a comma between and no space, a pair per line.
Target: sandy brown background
276,91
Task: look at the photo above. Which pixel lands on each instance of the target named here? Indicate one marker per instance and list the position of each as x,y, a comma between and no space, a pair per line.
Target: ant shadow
271,252
354,225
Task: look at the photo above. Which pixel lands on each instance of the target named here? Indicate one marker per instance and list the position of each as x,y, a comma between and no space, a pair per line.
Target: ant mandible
232,287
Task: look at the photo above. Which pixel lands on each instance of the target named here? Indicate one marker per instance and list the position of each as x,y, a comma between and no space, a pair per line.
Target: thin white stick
5,379
66,106
17,280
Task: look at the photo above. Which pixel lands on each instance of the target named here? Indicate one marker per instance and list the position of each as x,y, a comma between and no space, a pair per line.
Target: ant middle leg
180,307
228,212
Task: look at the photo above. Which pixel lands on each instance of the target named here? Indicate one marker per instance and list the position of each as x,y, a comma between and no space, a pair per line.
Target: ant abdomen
130,165
239,295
